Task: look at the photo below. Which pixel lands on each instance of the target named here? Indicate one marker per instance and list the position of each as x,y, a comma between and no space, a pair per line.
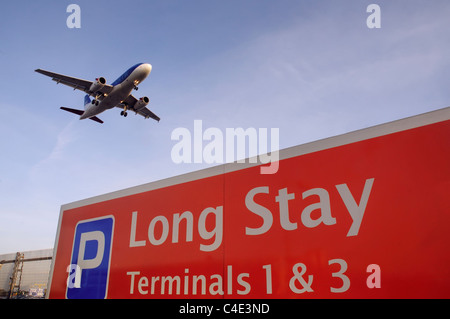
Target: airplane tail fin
87,101
80,112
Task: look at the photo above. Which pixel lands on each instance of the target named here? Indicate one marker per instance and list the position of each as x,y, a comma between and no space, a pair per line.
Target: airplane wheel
125,114
121,113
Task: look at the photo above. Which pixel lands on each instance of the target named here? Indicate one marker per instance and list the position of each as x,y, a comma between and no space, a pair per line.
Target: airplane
106,96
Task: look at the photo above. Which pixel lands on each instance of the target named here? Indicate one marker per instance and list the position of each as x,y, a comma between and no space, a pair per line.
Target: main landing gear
124,112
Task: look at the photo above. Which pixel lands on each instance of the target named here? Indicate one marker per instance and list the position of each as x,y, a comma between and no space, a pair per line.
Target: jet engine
98,84
142,102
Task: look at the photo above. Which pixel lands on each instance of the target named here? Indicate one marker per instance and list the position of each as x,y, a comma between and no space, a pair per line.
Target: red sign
362,215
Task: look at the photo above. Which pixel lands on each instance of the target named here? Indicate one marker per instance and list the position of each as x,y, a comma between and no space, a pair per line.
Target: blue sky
313,69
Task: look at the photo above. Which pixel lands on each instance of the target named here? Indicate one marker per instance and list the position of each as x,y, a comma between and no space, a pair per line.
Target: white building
25,274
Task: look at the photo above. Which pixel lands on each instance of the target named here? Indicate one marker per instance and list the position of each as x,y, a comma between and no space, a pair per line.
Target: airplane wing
76,84
130,101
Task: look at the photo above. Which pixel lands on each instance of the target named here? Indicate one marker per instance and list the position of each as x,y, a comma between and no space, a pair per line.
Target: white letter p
97,260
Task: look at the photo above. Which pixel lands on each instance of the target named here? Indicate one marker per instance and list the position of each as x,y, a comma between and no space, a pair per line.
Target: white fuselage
119,93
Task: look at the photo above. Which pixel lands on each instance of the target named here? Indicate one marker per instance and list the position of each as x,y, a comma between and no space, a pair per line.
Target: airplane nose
147,67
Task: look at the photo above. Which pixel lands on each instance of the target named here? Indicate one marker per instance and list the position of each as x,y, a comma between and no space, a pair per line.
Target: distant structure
25,274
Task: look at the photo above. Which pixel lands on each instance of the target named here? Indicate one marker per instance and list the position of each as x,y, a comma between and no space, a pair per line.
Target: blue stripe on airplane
125,75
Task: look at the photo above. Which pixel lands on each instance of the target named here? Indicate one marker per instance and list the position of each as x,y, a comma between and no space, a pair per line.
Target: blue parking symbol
90,261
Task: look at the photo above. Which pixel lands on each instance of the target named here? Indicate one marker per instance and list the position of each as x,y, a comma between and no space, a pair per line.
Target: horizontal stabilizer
80,112
96,119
